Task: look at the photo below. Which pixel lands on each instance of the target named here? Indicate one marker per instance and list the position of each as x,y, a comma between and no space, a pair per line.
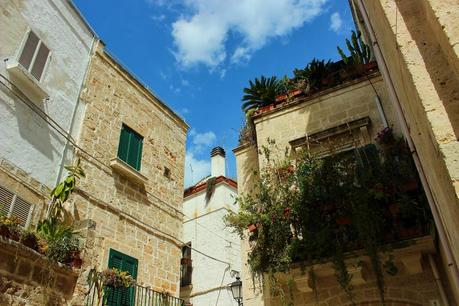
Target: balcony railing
134,296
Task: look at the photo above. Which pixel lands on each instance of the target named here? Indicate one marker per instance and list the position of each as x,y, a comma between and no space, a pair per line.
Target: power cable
67,136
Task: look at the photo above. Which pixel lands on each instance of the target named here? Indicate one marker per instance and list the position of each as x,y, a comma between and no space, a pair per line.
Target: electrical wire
23,98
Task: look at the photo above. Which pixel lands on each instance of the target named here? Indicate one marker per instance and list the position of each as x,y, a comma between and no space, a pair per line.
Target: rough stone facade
28,278
419,44
142,220
287,125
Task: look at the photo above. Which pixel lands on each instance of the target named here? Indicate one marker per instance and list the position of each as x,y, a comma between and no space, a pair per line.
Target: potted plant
9,227
251,228
360,60
76,260
261,93
29,239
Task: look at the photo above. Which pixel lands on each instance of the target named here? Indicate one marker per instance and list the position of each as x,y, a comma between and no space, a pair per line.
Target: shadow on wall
441,72
32,128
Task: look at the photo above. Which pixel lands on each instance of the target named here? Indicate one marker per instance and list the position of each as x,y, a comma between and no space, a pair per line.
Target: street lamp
236,290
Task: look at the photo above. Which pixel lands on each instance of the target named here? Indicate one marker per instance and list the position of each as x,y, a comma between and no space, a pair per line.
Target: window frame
131,131
20,50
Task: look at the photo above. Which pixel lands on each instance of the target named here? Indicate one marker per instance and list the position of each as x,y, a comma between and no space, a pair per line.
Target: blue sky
198,55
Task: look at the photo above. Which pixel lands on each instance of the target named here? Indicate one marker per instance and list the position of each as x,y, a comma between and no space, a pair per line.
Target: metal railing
134,296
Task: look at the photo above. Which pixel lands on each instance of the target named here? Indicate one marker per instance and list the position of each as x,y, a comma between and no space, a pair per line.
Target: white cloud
336,22
201,38
158,18
195,169
203,139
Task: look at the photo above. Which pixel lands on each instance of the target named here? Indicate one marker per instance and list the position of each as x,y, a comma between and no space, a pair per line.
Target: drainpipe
405,130
72,122
433,266
381,111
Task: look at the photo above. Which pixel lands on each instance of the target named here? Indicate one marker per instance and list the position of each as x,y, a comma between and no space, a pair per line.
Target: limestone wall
419,45
331,108
141,220
28,278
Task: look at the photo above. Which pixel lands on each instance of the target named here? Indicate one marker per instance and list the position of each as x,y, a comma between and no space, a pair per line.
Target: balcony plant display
57,239
29,239
103,282
329,208
360,59
317,74
261,93
9,228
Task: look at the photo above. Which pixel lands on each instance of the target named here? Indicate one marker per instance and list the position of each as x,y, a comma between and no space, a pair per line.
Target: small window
13,206
186,266
130,147
34,55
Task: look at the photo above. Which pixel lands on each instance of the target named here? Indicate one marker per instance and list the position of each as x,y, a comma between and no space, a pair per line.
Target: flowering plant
116,278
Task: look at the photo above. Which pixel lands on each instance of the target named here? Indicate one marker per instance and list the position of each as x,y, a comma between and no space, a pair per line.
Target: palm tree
261,92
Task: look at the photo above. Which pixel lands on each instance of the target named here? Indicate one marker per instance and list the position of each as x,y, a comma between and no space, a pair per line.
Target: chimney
217,162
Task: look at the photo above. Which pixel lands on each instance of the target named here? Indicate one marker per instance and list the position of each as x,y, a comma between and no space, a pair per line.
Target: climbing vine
313,210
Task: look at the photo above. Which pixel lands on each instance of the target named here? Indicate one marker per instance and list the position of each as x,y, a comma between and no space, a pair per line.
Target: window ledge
25,81
121,167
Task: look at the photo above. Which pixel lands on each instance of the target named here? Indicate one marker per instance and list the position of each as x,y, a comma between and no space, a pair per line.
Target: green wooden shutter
130,147
135,150
123,147
123,262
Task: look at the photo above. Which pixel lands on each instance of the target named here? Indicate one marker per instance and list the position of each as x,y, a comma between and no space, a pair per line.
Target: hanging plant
324,209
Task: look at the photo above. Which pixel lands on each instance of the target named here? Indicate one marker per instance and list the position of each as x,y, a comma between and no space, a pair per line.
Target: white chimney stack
217,162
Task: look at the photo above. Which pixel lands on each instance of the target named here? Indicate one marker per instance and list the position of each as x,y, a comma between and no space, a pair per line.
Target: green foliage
360,53
314,72
61,193
326,209
261,92
60,240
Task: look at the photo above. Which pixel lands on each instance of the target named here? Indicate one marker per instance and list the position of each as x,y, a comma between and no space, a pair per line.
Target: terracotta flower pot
343,220
252,228
266,108
410,185
4,231
30,242
281,98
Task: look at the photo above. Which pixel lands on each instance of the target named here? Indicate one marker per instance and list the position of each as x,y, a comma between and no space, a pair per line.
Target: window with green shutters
123,262
130,147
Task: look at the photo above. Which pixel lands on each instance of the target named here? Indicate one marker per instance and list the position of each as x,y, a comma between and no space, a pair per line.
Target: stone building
205,280
416,46
62,96
132,148
45,52
348,115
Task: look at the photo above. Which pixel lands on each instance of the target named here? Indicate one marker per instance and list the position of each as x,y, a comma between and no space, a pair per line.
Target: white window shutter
29,50
40,61
13,206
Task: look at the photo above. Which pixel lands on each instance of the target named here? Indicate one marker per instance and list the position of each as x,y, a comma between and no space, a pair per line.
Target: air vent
12,205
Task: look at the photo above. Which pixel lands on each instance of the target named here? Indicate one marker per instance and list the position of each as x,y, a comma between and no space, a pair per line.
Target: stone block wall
331,108
29,278
140,220
419,43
